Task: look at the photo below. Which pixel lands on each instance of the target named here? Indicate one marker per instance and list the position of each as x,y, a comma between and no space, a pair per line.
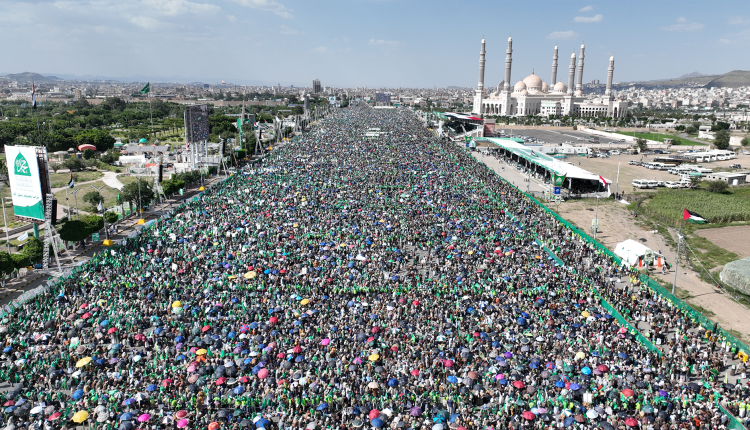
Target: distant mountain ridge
691,75
733,79
31,77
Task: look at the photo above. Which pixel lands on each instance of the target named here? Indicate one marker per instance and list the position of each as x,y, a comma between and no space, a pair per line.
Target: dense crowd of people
356,282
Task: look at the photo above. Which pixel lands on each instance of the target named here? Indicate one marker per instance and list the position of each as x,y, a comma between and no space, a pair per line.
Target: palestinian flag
603,182
534,154
693,217
146,89
71,183
33,95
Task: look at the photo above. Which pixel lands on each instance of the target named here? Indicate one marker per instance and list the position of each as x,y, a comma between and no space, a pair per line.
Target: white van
640,183
652,184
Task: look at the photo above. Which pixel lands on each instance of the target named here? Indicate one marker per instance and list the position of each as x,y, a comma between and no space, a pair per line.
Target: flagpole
150,111
677,258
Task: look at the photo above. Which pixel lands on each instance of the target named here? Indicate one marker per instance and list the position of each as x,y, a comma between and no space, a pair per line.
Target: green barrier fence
732,422
551,254
633,330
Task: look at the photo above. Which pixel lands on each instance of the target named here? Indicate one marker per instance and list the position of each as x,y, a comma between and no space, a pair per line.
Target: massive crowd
346,282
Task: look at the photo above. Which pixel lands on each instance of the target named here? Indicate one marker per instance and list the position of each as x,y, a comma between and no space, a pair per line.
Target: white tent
631,251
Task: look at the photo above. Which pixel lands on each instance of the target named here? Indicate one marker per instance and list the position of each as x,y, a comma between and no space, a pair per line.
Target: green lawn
61,179
668,205
109,194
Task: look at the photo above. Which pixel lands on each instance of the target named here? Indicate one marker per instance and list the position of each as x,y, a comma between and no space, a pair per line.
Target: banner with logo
558,180
25,185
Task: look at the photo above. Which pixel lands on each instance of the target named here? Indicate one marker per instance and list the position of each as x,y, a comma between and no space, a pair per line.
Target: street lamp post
74,197
104,218
140,202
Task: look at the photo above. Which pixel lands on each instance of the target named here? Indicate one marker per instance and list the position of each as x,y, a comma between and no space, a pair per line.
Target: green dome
143,141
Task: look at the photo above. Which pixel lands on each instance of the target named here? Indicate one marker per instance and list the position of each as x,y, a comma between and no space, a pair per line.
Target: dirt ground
607,167
616,225
734,239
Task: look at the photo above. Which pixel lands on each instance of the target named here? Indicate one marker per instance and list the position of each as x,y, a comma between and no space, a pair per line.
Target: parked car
672,184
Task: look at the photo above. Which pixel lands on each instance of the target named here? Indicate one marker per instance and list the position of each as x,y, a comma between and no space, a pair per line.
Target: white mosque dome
524,92
559,87
578,93
500,86
520,85
533,82
545,87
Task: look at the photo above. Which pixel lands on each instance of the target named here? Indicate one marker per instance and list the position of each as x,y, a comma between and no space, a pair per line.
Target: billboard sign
332,99
557,190
383,97
196,123
25,184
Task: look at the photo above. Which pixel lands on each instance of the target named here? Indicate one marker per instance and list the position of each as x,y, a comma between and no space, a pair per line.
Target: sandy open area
734,239
616,225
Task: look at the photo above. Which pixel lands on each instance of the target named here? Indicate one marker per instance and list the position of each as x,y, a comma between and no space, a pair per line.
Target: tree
74,231
695,182
73,164
721,139
88,154
20,261
745,141
691,129
33,249
55,166
298,110
99,138
93,198
130,193
114,103
6,265
719,187
110,157
93,223
641,143
111,217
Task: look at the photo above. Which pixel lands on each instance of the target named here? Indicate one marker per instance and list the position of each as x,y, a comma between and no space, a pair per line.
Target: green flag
146,89
119,199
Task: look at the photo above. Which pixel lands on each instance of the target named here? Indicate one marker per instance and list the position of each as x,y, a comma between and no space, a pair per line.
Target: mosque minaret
533,96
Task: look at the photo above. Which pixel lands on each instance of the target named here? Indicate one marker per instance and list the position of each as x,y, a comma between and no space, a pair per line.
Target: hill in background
733,79
31,77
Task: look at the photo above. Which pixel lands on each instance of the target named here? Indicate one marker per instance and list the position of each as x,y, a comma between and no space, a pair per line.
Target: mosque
532,96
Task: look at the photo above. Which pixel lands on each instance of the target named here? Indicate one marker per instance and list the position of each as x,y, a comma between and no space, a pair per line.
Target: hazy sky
370,42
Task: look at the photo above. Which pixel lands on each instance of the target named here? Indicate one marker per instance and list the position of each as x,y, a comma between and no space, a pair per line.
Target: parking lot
577,138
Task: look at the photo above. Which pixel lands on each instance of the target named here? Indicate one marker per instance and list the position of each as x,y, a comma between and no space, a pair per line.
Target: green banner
558,180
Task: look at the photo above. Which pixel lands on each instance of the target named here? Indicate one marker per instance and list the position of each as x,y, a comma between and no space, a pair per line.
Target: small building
732,178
